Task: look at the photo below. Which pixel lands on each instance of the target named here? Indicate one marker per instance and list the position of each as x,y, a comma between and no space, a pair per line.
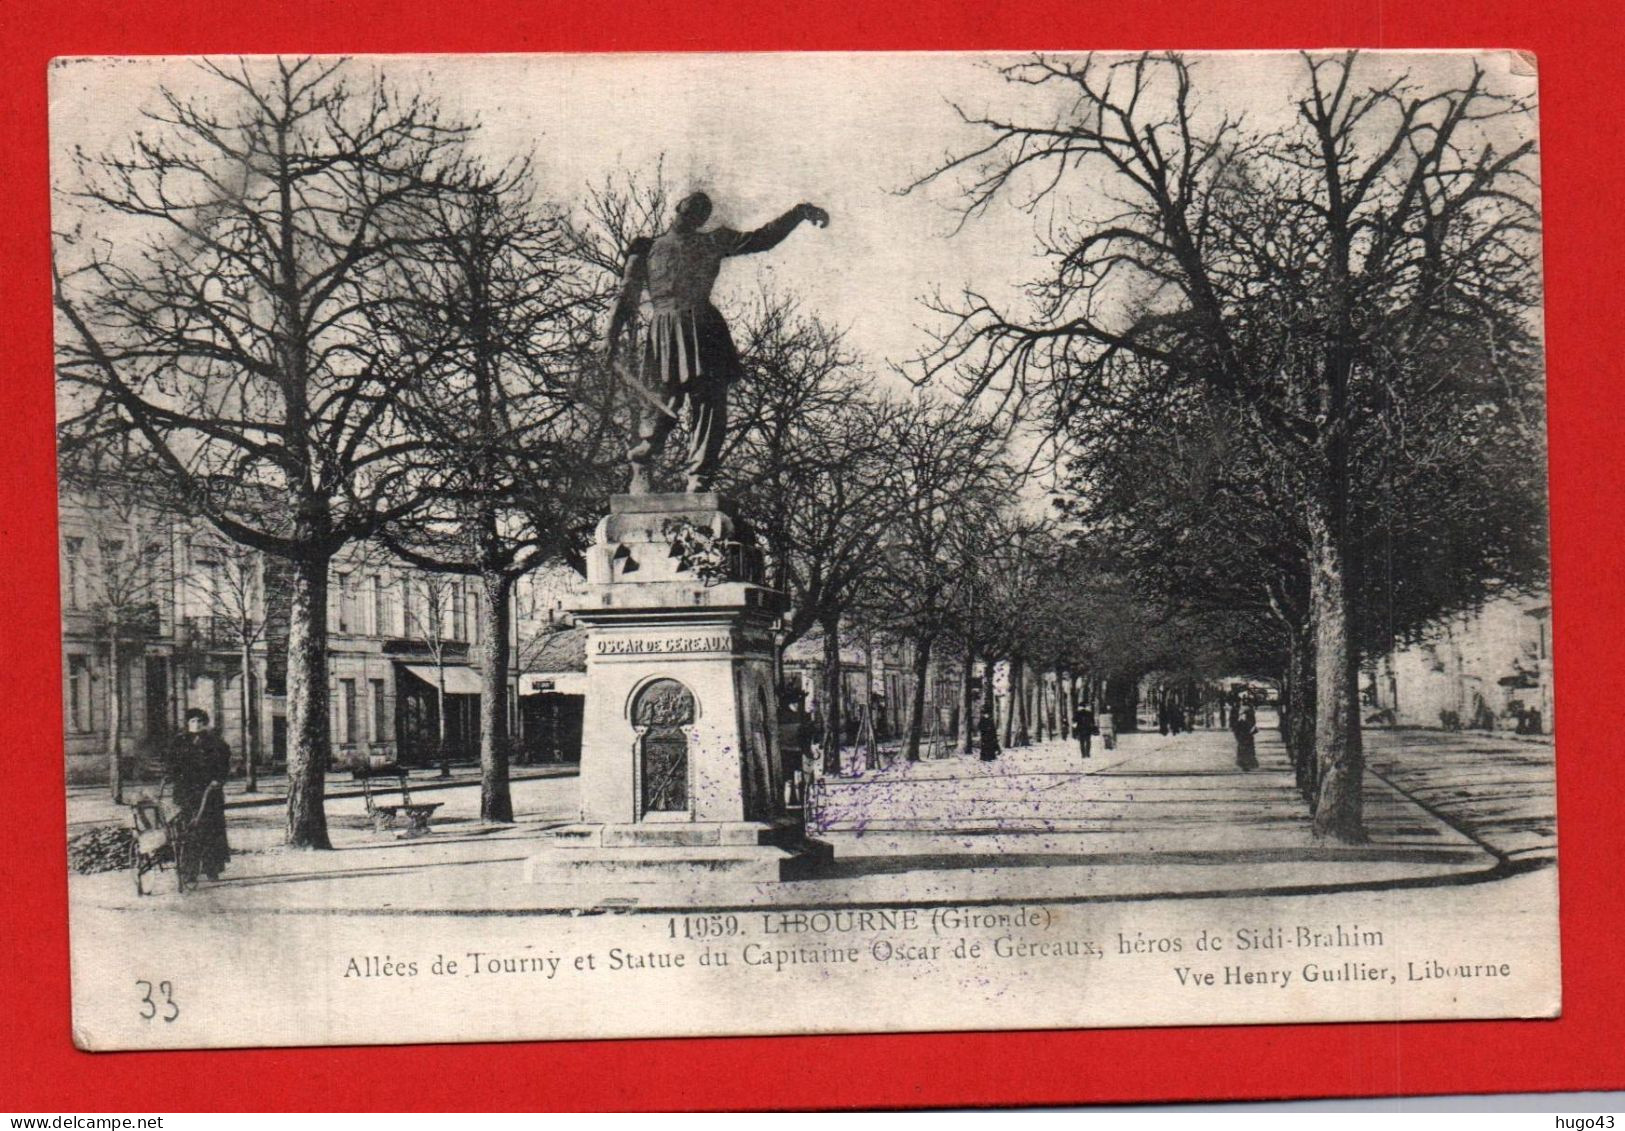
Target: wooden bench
384,817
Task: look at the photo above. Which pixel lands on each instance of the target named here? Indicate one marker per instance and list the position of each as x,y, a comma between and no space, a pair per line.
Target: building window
473,614
378,718
380,606
209,587
147,567
79,701
347,711
344,602
73,567
408,617
459,612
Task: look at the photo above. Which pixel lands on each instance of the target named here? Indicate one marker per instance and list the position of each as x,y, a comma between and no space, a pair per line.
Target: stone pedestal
680,767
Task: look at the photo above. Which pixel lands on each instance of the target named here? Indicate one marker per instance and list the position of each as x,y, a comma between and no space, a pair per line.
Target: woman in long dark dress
197,760
1244,724
988,734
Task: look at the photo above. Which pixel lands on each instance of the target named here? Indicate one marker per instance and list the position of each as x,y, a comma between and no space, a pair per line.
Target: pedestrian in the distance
197,759
987,732
1083,725
1244,724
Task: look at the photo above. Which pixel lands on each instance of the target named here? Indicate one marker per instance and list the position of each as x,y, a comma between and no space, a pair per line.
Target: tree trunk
250,731
1012,696
496,800
867,733
440,716
309,727
1393,683
1122,697
1059,727
831,626
967,701
1018,670
916,710
1299,732
990,703
115,715
1290,706
1339,758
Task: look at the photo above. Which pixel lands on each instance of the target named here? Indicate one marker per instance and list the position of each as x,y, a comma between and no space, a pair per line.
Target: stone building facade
157,615
120,627
1489,668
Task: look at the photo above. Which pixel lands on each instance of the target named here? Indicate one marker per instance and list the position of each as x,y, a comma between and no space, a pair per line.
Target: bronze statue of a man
688,354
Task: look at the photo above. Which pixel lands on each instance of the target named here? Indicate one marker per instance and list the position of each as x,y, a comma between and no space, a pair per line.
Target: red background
1579,45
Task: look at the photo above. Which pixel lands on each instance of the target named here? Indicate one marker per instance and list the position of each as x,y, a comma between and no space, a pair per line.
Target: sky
761,133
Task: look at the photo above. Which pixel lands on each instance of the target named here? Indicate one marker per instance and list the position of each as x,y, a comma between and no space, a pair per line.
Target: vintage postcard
602,546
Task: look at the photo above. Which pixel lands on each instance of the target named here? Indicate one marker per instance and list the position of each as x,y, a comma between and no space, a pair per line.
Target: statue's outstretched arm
772,234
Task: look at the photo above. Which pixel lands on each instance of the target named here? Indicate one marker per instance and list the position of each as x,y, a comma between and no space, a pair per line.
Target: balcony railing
211,633
132,622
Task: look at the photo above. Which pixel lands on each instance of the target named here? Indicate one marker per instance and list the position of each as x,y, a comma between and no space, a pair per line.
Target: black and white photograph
589,546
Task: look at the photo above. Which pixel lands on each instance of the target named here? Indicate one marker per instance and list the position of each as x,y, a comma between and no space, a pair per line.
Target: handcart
164,839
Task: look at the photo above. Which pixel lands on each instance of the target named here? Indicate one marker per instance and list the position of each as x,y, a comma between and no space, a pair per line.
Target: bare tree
949,478
230,301
812,468
428,616
517,416
1007,564
1282,274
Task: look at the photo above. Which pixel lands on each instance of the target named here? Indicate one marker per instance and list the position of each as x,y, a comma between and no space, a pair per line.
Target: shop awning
460,678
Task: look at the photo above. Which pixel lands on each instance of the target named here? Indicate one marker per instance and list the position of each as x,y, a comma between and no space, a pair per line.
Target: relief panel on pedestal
663,714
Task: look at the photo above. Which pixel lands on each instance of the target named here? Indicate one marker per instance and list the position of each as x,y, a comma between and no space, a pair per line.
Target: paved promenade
1500,791
1160,816
93,804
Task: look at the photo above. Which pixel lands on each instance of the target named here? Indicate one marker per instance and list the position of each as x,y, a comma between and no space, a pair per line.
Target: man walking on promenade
1083,725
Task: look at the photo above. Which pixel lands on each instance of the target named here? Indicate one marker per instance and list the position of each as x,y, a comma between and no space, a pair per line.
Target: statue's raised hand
814,215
